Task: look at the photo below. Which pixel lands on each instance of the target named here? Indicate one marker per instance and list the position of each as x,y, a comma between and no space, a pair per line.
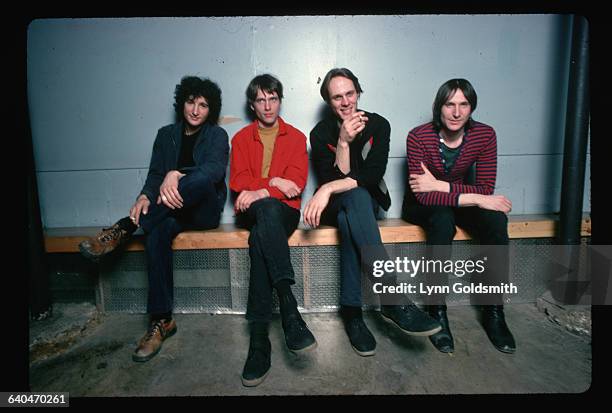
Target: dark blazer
210,157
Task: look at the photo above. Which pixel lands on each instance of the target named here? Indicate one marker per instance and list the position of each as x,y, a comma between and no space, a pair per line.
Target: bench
211,266
228,236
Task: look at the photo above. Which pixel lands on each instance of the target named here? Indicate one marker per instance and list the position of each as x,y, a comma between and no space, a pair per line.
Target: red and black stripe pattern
479,146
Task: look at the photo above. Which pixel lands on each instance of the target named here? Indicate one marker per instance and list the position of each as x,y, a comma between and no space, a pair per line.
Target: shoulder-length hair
445,92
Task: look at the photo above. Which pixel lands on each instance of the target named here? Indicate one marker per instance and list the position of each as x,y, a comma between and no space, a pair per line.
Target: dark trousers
271,223
354,214
438,222
161,225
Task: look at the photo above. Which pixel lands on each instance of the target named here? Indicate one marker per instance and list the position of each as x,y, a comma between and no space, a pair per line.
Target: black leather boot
442,340
258,362
297,335
494,323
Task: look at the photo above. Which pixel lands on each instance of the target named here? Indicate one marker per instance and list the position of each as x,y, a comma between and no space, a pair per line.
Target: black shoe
494,323
410,319
361,338
443,339
258,362
297,335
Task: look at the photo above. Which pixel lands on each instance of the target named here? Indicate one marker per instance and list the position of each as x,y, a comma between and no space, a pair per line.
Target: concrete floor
207,354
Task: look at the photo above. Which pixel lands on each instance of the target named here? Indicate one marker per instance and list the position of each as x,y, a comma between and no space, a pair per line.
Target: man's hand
316,205
495,203
352,126
246,198
426,182
492,202
168,191
286,186
140,206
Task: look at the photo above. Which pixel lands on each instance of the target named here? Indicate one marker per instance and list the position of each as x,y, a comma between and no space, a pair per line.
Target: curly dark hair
193,86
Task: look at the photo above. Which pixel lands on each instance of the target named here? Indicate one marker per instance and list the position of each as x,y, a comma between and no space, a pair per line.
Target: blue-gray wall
99,89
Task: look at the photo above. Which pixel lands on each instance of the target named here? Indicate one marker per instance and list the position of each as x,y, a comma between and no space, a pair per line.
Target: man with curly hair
185,189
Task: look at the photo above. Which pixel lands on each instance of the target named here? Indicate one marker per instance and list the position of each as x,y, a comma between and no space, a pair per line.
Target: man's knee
268,215
358,195
441,223
195,180
358,201
494,227
267,207
495,219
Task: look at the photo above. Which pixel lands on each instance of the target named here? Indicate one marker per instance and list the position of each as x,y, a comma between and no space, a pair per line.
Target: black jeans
161,225
271,223
438,222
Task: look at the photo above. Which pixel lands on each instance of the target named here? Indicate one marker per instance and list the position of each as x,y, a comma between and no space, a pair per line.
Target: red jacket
289,161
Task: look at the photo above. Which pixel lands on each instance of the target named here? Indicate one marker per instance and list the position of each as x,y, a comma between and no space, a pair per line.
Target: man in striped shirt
442,157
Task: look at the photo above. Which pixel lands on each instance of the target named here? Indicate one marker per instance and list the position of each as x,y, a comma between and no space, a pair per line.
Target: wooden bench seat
228,236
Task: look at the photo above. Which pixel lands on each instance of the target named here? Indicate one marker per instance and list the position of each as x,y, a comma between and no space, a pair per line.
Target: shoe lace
154,329
111,233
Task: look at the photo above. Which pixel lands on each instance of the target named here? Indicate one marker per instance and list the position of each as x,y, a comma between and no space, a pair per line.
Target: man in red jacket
268,172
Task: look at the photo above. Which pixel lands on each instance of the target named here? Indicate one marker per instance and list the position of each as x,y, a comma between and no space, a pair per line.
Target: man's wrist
325,189
444,186
343,143
470,199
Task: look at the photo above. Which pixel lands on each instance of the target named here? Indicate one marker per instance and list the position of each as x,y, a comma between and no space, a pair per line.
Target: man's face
342,96
266,107
455,112
195,111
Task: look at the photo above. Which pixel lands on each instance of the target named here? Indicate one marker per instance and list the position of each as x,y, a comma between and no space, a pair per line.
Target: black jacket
369,153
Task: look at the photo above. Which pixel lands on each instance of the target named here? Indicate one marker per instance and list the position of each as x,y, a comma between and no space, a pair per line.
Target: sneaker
104,242
297,335
258,362
410,319
151,342
361,338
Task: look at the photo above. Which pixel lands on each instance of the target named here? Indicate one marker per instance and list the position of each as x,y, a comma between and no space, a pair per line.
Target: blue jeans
161,225
353,213
271,223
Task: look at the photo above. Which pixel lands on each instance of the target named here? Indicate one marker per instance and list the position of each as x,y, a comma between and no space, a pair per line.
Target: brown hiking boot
151,342
104,242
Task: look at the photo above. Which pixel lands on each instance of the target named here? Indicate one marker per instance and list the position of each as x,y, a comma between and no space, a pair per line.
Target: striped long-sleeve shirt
479,146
